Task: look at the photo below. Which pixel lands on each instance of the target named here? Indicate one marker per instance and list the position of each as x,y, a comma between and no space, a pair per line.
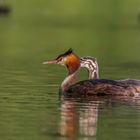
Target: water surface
30,107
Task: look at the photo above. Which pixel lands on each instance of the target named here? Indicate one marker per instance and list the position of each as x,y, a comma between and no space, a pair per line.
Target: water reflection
78,118
88,120
69,117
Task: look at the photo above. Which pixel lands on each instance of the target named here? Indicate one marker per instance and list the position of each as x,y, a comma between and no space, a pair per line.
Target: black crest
66,53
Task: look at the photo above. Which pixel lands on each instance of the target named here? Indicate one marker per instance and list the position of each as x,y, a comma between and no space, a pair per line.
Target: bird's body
102,87
132,86
92,86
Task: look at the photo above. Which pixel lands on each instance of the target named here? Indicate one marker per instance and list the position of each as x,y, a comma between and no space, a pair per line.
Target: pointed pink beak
50,62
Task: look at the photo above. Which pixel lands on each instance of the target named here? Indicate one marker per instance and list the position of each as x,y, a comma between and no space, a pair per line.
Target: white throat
68,81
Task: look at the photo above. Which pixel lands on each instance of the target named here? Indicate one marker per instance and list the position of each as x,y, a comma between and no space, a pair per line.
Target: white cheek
84,65
61,63
64,60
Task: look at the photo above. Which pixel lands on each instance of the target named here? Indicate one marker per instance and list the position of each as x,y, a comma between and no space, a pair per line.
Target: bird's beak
50,62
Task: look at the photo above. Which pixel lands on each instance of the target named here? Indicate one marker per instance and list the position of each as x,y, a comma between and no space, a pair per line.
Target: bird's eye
60,59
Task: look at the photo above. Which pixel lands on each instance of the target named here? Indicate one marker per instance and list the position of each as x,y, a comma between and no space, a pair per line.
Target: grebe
90,63
92,86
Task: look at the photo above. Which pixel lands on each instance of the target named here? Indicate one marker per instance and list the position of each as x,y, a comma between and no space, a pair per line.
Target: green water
30,107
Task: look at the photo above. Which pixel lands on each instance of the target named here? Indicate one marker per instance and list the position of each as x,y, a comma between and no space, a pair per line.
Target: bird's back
100,87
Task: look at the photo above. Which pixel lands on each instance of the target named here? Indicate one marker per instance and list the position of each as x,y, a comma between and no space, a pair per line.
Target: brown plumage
91,87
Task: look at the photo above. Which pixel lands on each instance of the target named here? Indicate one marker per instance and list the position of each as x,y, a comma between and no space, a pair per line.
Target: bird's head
69,59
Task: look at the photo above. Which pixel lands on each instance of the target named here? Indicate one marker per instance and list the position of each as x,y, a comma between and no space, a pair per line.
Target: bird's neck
93,74
93,70
69,80
73,66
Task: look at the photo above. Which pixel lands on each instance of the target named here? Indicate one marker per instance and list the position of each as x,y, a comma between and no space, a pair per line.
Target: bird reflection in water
80,118
69,117
88,120
77,119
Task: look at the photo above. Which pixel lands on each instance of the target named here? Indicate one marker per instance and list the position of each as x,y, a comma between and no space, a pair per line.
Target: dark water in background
29,103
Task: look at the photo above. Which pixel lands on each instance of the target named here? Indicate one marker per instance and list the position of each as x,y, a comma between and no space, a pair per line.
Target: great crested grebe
90,63
91,86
